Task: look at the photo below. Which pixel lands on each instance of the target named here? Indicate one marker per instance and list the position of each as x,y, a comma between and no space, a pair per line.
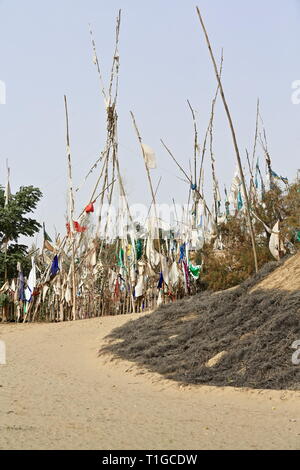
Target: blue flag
54,267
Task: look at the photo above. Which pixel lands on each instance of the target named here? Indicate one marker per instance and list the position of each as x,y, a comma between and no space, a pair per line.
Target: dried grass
256,329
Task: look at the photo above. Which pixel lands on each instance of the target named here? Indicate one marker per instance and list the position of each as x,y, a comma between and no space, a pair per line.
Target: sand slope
285,277
55,393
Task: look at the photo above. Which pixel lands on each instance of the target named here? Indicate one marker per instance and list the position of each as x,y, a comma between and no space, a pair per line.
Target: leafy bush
227,268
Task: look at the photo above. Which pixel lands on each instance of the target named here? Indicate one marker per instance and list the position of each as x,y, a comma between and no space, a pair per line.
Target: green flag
46,236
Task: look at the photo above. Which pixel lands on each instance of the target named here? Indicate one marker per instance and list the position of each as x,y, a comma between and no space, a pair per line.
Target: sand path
55,393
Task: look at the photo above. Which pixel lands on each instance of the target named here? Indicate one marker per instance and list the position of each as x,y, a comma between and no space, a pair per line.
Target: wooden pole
185,174
71,209
209,124
149,180
264,144
233,138
256,135
196,147
7,196
196,151
152,202
213,172
252,184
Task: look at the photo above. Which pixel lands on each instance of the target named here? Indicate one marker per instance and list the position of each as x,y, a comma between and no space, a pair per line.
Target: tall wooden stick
196,147
152,202
71,208
256,135
196,151
210,121
96,62
234,140
252,183
7,196
264,144
149,180
213,172
184,172
112,118
115,63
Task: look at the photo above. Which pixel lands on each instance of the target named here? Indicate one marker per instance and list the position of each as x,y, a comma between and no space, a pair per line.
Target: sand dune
55,393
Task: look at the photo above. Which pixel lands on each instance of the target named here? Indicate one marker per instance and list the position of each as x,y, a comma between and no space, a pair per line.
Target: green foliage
291,222
271,210
4,300
14,222
15,253
233,265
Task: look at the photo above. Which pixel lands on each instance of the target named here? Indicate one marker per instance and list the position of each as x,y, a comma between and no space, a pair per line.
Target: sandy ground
286,277
55,393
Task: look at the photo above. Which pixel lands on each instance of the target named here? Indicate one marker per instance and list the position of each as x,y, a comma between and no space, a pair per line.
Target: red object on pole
90,208
78,228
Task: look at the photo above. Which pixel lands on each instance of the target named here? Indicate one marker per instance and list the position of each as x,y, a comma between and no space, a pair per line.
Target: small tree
14,222
233,265
229,267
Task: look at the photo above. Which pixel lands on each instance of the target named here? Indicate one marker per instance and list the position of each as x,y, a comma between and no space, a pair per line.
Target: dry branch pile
246,332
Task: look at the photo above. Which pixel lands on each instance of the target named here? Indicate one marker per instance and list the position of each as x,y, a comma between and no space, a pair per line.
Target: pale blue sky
45,52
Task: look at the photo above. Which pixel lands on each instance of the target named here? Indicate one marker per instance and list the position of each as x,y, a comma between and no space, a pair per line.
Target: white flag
149,156
276,246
